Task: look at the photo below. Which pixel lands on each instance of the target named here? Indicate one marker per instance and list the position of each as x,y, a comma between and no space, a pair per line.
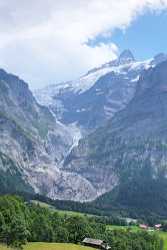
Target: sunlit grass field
132,228
163,235
62,246
3,247
49,246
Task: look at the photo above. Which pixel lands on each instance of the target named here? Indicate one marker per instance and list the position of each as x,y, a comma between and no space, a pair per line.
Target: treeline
102,207
21,222
109,215
113,214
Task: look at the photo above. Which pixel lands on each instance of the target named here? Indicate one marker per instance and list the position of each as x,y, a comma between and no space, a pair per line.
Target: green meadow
163,235
49,246
132,228
67,246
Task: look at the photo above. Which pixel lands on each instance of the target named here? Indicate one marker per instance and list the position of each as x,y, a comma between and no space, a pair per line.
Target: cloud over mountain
44,41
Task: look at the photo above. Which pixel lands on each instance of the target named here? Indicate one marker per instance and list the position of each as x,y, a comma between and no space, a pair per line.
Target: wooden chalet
158,226
143,226
95,243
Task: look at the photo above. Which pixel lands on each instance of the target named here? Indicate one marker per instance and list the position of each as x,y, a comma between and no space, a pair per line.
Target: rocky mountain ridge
94,98
131,149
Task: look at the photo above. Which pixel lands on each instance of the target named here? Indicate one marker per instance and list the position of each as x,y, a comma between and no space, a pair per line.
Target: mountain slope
130,152
33,144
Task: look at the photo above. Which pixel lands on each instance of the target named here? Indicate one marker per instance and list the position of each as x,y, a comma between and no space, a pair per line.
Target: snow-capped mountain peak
126,57
121,65
96,96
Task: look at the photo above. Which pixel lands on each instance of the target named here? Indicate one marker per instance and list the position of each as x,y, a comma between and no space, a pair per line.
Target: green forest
22,222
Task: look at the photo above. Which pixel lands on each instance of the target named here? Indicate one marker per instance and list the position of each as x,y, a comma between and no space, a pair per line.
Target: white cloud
45,41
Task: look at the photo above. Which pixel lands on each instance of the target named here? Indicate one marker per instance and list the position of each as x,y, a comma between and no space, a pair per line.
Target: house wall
91,245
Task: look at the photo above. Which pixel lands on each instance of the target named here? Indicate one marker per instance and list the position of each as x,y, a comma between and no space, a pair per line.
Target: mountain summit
126,57
95,97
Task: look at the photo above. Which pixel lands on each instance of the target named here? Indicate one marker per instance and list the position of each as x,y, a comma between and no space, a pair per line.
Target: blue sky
145,37
48,45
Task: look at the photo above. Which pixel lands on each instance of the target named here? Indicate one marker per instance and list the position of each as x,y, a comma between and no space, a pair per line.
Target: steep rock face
21,114
33,144
131,150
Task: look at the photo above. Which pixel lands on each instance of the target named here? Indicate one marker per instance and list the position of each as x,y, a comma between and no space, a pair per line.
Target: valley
83,125
54,150
115,165
32,226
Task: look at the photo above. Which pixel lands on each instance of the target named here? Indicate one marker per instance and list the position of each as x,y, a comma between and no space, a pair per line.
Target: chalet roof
143,226
93,241
158,225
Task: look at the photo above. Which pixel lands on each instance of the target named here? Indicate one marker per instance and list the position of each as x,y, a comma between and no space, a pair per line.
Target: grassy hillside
163,235
49,246
24,222
3,247
61,212
115,227
67,246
